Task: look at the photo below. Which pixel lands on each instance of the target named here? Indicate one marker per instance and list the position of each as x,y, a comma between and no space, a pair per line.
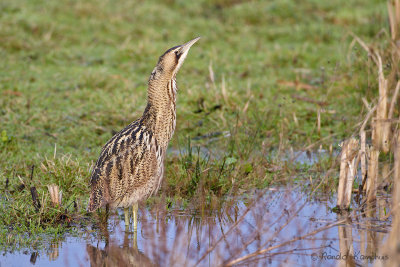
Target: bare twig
35,198
365,47
262,251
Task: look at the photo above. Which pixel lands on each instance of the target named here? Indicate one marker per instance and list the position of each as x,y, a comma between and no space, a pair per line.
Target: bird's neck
160,113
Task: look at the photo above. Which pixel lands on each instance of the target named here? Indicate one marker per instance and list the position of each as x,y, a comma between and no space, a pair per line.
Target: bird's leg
126,212
135,216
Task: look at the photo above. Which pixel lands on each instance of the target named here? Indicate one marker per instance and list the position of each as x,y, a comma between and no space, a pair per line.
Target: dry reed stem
350,179
393,242
347,172
395,233
55,195
394,18
369,114
392,245
373,157
369,50
363,156
365,102
381,127
394,99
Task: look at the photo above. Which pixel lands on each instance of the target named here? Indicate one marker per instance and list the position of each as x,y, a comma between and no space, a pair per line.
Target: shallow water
260,221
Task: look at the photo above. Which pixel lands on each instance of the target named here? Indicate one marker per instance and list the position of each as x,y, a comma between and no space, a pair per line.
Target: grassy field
72,73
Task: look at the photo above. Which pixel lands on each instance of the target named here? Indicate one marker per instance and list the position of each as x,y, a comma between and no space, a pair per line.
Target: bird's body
129,169
131,164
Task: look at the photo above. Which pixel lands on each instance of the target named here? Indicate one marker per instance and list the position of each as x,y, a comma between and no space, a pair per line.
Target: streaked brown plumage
131,164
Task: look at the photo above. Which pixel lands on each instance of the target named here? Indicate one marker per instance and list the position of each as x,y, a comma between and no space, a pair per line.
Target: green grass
72,73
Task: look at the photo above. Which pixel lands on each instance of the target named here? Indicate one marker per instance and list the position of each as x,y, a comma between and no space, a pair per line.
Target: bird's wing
125,163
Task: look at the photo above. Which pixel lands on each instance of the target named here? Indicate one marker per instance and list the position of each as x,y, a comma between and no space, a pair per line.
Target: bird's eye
177,53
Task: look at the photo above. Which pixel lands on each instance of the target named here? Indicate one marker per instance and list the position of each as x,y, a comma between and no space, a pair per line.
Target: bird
130,167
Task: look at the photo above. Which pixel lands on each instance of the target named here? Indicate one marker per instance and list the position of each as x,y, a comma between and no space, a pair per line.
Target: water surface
262,228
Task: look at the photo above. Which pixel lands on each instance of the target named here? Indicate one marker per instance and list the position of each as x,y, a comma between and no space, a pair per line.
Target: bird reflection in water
115,255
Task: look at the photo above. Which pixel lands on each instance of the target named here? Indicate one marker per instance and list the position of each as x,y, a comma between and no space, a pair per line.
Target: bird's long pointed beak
186,47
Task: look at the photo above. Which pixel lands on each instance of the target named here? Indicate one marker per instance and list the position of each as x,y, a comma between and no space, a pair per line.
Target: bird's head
170,62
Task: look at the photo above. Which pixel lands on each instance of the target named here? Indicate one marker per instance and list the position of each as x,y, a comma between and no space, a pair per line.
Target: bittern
131,164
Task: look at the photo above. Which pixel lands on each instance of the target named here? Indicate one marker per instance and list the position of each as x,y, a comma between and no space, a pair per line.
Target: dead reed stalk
394,18
55,195
381,126
382,121
373,160
391,248
363,155
347,172
394,237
